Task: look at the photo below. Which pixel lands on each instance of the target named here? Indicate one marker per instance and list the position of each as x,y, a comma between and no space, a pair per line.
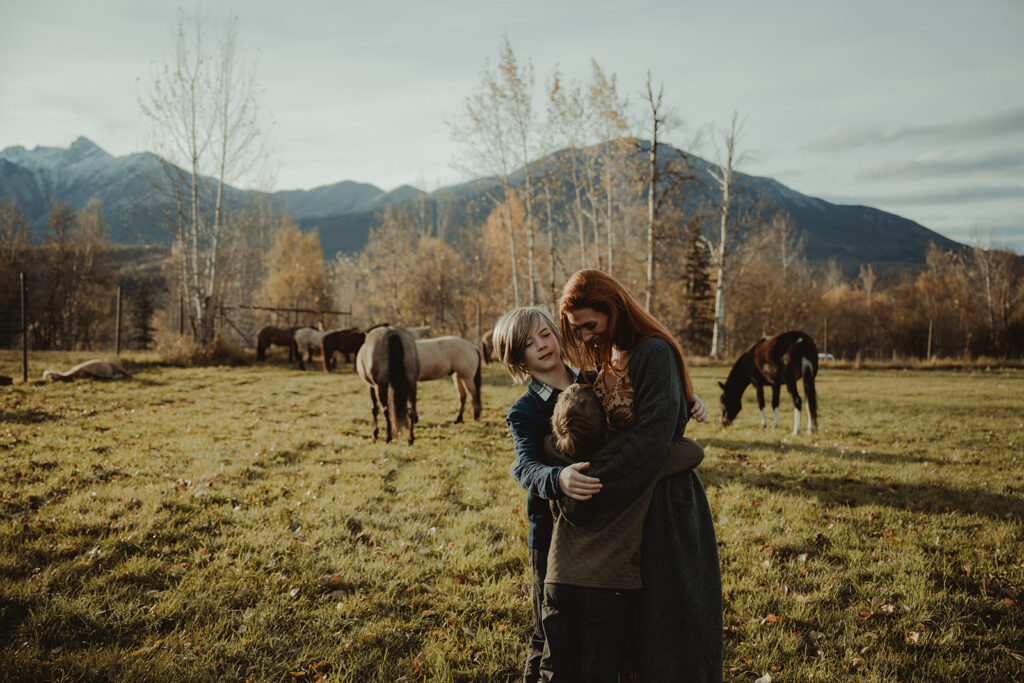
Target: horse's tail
477,398
398,383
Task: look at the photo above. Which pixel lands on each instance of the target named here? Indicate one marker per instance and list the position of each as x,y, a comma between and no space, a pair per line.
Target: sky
913,107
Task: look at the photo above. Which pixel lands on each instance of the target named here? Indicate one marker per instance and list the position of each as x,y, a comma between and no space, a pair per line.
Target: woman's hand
698,411
577,485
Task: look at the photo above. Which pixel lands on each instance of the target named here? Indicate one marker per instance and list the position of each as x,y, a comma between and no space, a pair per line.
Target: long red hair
628,323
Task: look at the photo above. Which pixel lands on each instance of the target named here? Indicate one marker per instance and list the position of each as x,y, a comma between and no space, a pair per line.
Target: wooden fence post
929,356
24,333
117,325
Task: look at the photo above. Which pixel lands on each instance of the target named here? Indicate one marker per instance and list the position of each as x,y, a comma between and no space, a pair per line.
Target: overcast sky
913,107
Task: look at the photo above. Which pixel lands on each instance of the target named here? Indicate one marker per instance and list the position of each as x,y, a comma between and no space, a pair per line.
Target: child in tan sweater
593,573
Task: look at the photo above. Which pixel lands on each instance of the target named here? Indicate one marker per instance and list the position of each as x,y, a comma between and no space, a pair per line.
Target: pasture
239,523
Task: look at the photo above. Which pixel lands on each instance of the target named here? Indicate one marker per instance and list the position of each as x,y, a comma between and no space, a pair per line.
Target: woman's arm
657,393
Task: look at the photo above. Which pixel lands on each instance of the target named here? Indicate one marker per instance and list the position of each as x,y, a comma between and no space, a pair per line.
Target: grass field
239,523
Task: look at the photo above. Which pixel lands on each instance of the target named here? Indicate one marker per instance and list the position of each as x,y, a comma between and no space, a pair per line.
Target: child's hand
698,411
576,485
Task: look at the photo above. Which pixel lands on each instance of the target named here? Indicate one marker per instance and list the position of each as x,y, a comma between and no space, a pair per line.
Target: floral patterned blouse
616,393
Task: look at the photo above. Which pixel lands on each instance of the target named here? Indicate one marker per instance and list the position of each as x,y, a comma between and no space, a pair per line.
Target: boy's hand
698,411
577,485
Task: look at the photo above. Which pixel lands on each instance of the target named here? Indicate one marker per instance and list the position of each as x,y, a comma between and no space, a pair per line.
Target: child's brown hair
578,421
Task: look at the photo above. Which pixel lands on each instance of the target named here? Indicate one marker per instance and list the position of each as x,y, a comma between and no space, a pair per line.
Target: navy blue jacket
529,420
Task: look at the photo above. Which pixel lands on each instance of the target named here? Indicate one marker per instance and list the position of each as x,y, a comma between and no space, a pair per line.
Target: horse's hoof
458,419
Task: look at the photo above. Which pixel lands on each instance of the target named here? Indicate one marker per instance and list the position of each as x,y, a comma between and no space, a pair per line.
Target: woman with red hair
645,387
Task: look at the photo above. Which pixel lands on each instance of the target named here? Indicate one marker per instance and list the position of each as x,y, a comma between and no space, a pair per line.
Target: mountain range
344,212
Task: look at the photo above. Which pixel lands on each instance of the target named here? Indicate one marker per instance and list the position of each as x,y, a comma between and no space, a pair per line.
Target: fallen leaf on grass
913,638
816,635
858,662
767,678
770,619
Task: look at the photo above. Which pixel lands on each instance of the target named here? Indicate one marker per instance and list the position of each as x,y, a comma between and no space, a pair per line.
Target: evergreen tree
698,300
142,318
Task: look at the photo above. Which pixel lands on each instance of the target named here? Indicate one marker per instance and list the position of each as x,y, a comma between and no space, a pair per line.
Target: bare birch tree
204,110
485,136
723,176
608,118
516,87
567,118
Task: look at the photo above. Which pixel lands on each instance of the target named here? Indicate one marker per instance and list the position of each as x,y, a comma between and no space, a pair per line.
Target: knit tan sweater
599,547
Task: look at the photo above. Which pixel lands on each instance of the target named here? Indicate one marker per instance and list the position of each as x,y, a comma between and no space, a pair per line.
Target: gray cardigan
679,634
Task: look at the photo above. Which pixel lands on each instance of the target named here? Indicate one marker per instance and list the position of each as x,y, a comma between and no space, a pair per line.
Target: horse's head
731,403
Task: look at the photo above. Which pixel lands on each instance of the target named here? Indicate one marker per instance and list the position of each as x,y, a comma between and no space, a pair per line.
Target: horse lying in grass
456,357
94,369
421,332
340,341
782,359
389,365
279,336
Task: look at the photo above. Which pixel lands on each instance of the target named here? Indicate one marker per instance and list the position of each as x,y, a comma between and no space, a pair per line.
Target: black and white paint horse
774,361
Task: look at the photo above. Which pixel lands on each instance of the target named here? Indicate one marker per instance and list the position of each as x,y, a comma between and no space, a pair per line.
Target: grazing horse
389,365
340,341
487,346
456,357
782,359
281,336
96,369
307,339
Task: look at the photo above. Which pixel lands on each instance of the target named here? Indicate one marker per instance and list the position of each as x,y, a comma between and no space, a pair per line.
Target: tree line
583,182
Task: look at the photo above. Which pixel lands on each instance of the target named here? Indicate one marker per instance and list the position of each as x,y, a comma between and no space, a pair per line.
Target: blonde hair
578,421
511,333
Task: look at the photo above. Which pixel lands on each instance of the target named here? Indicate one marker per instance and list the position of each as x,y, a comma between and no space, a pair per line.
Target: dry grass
227,523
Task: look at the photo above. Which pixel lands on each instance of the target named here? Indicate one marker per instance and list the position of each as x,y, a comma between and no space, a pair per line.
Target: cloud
960,195
938,167
989,126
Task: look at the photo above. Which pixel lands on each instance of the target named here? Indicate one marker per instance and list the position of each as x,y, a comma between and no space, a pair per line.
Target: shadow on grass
822,451
923,498
28,416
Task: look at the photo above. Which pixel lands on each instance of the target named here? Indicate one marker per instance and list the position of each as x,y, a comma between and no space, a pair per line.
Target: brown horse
280,336
340,341
782,359
389,365
487,346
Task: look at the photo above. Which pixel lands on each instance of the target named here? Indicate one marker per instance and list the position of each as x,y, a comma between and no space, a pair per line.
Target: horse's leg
775,405
760,403
812,397
373,400
459,387
797,404
414,417
382,394
298,355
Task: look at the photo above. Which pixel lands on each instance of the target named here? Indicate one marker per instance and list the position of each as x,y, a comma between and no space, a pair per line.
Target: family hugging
626,582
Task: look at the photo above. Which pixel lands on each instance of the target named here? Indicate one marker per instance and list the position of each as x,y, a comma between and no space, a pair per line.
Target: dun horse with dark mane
774,361
389,365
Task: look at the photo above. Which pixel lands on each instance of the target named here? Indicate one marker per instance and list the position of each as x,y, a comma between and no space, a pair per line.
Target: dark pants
535,650
586,632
